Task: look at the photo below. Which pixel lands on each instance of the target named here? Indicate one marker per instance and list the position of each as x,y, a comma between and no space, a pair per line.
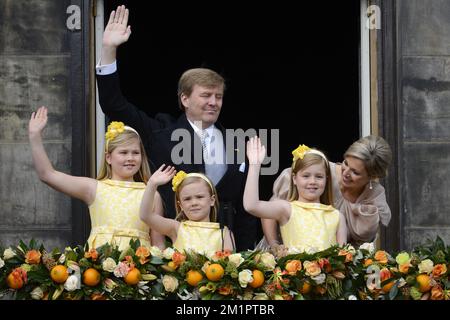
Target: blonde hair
375,152
309,159
198,76
180,216
122,139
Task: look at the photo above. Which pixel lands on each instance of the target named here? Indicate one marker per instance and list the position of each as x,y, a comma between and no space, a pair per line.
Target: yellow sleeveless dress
201,237
312,227
115,214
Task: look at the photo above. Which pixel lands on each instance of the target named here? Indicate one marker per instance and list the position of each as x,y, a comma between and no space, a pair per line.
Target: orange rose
404,268
143,253
324,264
385,274
178,258
293,266
312,268
439,270
437,293
33,257
221,255
17,278
348,255
93,254
381,256
368,262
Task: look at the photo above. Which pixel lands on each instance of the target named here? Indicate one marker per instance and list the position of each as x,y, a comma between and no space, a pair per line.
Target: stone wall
424,165
34,70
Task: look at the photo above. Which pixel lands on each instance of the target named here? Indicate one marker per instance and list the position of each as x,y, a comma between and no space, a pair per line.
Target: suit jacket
156,136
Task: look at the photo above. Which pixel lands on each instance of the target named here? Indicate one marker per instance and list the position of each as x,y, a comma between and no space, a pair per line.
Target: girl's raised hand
256,152
163,175
38,121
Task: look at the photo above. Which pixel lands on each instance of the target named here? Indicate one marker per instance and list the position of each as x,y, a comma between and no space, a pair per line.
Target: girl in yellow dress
115,196
307,221
196,202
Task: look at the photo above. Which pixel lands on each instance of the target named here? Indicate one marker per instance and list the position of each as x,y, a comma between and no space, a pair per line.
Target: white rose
8,254
170,283
368,246
236,259
268,260
37,293
426,266
245,276
2,263
156,252
351,249
109,264
168,253
71,283
320,278
260,296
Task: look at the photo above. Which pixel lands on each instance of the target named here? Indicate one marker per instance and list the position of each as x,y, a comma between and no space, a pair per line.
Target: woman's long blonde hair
122,139
308,160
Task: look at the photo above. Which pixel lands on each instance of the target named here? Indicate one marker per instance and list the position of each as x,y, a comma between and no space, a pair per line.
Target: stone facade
42,63
424,109
34,70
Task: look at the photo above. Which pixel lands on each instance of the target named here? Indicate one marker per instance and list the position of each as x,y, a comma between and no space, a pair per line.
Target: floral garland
31,272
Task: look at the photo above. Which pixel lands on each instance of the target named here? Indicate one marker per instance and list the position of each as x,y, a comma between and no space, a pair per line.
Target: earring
370,184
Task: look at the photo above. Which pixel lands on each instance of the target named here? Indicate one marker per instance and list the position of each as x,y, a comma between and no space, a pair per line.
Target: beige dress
363,216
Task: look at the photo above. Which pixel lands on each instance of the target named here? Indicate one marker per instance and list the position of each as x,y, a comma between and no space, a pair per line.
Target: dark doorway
292,67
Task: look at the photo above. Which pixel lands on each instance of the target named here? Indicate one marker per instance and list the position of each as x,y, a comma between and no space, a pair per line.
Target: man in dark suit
195,142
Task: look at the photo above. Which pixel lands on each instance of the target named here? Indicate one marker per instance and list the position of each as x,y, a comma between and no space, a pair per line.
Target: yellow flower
114,129
299,153
179,177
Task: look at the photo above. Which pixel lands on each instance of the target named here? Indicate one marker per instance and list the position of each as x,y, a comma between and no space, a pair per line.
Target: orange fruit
59,273
193,277
305,288
424,282
387,287
368,262
133,277
14,280
214,272
258,279
91,277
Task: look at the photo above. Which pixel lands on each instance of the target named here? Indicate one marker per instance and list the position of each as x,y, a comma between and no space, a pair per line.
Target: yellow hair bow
114,129
179,177
300,152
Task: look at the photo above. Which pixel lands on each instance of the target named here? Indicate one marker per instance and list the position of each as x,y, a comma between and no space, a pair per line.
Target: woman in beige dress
357,193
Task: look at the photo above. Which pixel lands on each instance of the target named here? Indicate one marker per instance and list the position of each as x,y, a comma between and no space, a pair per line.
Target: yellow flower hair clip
176,181
300,152
114,129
